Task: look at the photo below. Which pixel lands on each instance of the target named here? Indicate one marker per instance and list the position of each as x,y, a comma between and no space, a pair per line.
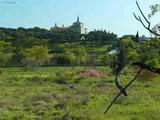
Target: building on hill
76,26
58,28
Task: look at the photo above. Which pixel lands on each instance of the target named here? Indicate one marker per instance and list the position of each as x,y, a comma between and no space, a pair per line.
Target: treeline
34,47
21,35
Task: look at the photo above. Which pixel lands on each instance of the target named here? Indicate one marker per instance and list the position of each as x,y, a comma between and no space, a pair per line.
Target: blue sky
113,15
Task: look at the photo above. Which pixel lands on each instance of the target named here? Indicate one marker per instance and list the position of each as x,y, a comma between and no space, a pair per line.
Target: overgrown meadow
76,93
33,88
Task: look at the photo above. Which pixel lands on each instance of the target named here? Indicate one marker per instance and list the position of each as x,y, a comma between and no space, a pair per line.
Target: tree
81,55
101,36
154,9
137,37
105,59
6,52
71,56
122,63
36,56
31,41
17,57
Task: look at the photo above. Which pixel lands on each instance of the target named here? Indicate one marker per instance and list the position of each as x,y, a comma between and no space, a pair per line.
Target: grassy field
60,93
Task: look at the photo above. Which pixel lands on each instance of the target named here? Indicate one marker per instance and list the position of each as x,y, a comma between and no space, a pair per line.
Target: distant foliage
36,56
38,47
5,52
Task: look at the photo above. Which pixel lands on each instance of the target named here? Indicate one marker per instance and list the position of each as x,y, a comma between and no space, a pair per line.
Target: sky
110,15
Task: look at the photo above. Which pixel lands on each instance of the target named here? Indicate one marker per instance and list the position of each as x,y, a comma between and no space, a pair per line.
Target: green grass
45,94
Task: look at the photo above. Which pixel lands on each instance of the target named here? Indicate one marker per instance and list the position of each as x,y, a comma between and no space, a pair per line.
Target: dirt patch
92,73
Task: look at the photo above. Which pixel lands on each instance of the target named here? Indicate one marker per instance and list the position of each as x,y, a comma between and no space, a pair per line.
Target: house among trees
76,27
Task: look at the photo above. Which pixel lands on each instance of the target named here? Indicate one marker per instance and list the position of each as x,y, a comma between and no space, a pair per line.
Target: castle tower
76,26
63,26
78,19
55,25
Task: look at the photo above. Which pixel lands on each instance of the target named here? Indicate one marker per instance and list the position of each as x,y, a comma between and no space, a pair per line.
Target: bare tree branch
145,18
149,24
120,68
123,90
117,79
146,66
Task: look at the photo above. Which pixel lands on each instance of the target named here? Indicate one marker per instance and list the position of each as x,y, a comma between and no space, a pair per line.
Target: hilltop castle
76,26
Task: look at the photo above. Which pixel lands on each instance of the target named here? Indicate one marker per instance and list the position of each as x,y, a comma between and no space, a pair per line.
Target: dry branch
123,90
138,18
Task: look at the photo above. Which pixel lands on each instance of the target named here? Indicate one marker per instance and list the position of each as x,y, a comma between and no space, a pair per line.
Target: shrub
61,59
61,80
36,56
